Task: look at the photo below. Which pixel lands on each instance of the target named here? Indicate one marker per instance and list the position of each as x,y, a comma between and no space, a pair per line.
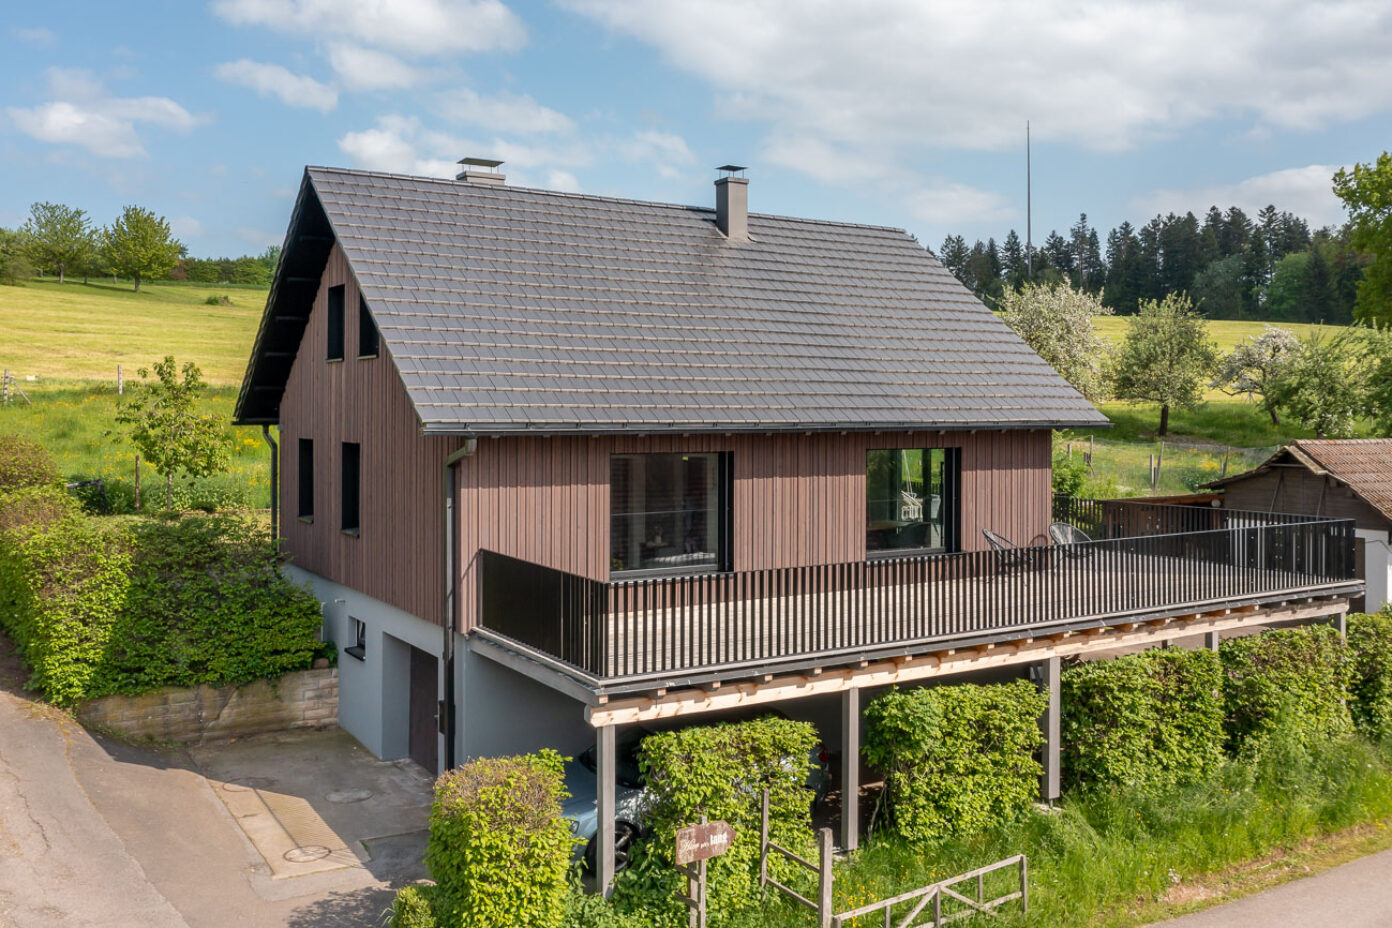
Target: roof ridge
685,207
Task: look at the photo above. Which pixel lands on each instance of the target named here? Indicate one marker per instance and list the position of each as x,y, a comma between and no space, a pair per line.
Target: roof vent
732,203
481,171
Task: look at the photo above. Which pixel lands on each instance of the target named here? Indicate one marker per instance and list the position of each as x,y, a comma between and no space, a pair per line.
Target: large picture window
911,497
668,512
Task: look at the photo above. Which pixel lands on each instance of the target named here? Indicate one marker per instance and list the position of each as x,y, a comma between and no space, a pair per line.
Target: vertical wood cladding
798,499
395,556
1296,489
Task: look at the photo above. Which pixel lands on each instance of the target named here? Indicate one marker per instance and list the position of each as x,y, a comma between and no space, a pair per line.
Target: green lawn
77,331
1226,333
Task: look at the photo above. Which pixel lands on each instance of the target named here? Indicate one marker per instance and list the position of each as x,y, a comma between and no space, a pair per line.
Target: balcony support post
1340,621
1046,675
605,770
1211,641
850,769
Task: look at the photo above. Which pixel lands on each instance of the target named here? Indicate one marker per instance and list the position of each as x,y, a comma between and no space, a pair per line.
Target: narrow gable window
335,346
368,339
352,457
305,489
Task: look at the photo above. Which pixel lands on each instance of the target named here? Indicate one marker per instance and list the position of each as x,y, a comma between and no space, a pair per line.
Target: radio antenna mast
1029,207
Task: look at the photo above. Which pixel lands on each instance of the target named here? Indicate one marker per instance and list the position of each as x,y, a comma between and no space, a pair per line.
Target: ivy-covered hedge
1295,680
102,606
720,771
499,850
1370,649
956,759
1150,720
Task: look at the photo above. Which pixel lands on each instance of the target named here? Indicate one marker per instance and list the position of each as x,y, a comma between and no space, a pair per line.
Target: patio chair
1070,540
1009,556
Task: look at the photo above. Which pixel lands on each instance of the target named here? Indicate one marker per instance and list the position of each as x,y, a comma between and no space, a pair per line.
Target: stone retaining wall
307,699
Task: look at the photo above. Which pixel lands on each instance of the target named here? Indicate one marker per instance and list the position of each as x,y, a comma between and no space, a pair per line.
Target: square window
669,512
911,499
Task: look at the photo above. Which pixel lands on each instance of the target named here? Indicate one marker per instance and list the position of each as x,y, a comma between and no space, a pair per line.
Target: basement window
305,481
359,648
334,350
912,500
369,341
352,459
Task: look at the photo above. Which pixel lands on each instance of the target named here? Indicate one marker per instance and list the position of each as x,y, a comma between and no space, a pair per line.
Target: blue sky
900,112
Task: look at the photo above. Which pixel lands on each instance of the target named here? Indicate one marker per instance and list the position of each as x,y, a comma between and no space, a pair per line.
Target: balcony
1146,561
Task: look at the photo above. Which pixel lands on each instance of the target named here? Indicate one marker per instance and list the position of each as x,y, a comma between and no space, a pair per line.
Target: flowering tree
1255,365
1056,321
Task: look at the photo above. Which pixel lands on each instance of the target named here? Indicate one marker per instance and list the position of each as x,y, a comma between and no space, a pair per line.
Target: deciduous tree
1256,364
1056,321
163,421
139,245
1166,357
58,237
1367,194
1324,387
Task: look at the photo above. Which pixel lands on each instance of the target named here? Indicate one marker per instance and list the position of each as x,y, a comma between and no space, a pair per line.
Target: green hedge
956,759
1370,649
24,464
103,606
499,850
720,771
1294,680
1150,720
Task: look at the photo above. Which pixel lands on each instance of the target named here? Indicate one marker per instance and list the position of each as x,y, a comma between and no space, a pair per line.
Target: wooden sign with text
703,841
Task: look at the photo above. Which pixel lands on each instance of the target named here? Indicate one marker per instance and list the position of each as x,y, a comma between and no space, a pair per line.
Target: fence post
824,861
120,381
763,845
1024,884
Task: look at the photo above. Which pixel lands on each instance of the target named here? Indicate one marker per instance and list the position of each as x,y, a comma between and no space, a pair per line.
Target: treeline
63,241
1271,268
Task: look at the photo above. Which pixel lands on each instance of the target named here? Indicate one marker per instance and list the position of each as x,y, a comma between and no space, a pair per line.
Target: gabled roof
509,309
1364,465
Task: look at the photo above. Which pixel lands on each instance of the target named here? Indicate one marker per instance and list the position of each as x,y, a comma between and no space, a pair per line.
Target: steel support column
605,770
850,769
1047,677
1211,640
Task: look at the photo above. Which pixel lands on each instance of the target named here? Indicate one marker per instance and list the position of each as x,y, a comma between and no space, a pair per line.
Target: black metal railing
1144,558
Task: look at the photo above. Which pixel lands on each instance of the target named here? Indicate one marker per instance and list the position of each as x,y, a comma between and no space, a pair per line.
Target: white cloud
563,181
1307,192
886,78
360,68
952,204
273,80
83,113
667,152
421,27
504,113
36,36
403,145
185,227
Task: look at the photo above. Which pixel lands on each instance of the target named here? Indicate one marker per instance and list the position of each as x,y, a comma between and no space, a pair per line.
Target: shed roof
509,309
1364,465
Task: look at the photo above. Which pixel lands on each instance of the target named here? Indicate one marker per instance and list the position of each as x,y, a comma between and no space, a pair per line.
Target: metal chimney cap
732,168
479,162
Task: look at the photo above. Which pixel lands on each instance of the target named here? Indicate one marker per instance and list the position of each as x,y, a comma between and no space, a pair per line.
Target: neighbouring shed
1343,479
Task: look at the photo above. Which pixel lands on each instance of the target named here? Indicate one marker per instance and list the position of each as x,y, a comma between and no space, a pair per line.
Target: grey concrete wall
307,699
503,712
1377,567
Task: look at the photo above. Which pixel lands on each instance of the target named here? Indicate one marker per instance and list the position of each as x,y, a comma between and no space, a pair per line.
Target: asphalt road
98,834
1355,895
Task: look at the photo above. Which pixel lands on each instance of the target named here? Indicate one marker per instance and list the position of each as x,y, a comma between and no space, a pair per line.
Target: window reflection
665,512
909,499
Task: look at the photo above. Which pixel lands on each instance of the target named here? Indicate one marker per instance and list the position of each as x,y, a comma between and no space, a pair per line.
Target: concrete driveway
96,833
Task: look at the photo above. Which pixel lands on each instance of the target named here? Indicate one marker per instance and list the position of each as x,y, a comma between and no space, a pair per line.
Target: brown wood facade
798,499
1295,488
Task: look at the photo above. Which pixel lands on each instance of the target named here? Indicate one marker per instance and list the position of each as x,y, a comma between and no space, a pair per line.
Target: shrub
499,849
1152,720
102,606
414,907
956,759
1370,648
585,910
1295,679
1070,475
25,463
721,771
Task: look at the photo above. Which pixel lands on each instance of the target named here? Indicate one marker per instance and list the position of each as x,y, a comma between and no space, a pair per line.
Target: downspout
451,529
275,486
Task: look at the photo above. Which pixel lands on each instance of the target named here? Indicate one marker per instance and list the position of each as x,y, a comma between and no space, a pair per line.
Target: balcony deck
1147,561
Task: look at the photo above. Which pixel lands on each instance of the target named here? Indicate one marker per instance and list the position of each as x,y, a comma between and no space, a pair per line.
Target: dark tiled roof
1364,465
506,308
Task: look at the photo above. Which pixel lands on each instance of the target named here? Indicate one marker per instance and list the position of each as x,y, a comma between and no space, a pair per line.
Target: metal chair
1070,540
1009,555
